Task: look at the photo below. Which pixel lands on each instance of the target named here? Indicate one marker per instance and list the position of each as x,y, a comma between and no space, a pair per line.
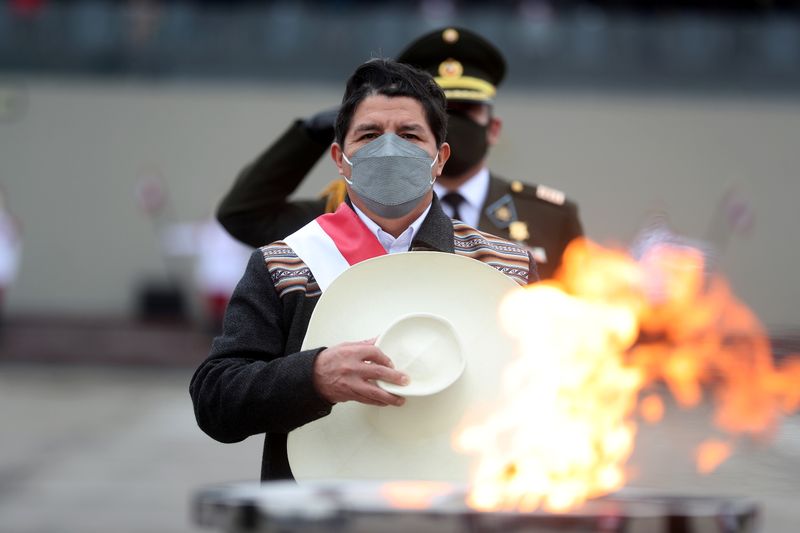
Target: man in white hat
470,69
390,149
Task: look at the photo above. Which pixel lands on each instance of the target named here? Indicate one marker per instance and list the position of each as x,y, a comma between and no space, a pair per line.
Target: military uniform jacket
257,210
258,380
535,216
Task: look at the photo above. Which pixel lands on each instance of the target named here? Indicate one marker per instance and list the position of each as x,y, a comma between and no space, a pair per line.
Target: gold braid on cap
459,94
334,195
466,83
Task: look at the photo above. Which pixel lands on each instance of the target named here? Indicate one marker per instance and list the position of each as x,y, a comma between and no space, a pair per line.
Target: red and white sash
331,243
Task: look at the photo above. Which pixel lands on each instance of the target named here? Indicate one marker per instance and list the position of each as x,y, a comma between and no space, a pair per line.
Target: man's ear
493,131
336,155
444,155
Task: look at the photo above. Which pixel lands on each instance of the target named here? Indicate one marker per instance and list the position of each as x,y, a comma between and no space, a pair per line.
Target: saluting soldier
469,69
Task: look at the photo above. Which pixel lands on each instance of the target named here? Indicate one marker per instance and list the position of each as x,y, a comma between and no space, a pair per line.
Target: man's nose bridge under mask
391,175
390,145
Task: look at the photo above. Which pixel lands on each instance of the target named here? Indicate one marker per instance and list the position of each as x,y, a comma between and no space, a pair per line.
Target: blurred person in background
219,261
468,68
10,251
390,149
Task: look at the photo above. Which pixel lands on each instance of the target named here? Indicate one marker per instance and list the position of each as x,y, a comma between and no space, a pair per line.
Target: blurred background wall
630,108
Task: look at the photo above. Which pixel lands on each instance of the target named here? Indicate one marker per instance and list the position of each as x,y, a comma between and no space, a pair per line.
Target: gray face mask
391,175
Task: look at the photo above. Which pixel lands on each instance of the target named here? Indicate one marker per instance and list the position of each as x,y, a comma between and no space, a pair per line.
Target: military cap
464,64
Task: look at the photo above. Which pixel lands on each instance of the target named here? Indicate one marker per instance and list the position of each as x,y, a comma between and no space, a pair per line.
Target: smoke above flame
594,348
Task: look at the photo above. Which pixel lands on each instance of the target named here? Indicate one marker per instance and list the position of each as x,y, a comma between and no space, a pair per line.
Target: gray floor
88,449
93,449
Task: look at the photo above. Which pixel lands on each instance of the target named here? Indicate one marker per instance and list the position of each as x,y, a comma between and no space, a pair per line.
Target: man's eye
368,136
409,136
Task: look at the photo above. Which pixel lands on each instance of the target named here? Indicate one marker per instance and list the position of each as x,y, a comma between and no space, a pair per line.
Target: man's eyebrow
410,126
372,126
367,126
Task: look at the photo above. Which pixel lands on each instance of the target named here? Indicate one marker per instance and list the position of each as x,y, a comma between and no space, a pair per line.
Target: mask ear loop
349,182
433,178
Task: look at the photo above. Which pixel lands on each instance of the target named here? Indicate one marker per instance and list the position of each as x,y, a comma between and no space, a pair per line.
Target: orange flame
588,344
711,453
651,408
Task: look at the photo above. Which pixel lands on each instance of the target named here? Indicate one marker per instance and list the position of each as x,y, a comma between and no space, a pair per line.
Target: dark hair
390,78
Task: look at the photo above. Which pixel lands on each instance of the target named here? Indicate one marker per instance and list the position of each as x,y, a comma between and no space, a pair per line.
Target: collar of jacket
436,232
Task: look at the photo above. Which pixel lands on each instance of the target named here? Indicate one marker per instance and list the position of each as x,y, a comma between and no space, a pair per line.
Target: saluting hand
348,371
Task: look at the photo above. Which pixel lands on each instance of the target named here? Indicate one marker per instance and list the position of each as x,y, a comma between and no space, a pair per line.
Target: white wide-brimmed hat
435,315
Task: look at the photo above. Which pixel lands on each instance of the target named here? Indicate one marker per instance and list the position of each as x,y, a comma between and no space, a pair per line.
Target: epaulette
540,192
334,195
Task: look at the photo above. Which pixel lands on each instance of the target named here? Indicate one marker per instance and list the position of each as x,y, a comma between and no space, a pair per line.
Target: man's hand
348,371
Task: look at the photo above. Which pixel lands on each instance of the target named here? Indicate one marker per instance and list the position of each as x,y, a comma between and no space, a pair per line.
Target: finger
364,350
377,356
370,353
368,341
359,391
374,393
373,372
362,398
